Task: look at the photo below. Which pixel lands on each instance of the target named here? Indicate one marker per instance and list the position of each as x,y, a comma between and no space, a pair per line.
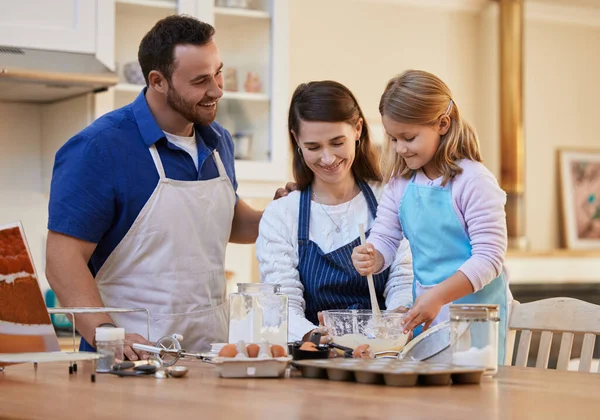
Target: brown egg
308,346
278,351
363,352
228,350
252,350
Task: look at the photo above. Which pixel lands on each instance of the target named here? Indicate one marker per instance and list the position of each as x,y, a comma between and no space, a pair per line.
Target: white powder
251,329
485,357
377,344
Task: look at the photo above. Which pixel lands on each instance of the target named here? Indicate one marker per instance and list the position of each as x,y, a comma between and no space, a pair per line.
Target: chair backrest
549,316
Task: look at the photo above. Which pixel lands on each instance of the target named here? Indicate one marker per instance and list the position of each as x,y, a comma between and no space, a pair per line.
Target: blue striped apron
330,280
439,246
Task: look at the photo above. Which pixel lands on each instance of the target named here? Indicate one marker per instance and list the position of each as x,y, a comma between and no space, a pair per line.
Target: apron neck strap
157,161
219,163
304,214
369,196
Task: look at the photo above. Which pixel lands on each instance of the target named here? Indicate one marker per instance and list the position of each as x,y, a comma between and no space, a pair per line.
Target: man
143,201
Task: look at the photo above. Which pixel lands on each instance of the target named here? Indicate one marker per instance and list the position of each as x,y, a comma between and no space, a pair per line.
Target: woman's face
328,148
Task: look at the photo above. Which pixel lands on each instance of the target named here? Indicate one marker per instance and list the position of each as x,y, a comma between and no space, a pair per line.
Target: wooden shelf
158,4
129,87
555,253
231,11
246,96
239,96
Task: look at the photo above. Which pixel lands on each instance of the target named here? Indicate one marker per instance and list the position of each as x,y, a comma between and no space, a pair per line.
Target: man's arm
244,228
70,278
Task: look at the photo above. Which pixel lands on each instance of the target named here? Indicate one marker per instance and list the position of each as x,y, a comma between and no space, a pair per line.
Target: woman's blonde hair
421,98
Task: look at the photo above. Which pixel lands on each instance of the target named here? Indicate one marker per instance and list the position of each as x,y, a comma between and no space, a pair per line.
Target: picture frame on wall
579,173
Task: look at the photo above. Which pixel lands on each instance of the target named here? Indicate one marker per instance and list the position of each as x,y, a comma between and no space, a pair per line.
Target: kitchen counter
514,393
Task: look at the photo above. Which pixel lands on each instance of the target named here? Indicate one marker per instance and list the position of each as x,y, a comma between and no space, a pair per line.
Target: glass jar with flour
474,336
258,312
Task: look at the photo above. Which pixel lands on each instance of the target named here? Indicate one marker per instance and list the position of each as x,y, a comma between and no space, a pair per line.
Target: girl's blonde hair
421,98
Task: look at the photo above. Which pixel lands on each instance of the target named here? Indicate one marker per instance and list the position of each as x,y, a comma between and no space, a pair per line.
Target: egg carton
392,372
252,367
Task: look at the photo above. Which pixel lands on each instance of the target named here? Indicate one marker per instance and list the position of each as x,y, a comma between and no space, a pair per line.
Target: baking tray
392,372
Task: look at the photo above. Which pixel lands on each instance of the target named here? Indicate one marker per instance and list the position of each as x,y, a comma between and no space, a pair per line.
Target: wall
372,41
30,135
20,175
369,43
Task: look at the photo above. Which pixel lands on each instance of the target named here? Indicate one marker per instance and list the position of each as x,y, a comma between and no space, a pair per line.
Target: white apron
171,261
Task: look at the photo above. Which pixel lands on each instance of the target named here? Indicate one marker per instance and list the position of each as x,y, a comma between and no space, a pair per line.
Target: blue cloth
440,245
85,346
330,280
104,175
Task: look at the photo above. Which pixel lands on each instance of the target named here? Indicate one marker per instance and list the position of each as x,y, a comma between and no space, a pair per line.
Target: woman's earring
299,152
358,142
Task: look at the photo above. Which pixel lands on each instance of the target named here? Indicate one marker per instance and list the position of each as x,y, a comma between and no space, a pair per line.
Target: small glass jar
258,312
109,343
474,335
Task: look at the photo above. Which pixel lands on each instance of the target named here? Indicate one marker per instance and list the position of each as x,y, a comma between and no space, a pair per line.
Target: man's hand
129,352
282,192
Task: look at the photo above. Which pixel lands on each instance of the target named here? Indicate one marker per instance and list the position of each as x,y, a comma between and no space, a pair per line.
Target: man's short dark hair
156,48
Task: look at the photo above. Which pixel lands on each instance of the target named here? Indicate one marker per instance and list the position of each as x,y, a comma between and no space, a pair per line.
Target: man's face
196,83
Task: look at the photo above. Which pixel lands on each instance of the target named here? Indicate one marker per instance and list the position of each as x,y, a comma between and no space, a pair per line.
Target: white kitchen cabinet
60,25
250,40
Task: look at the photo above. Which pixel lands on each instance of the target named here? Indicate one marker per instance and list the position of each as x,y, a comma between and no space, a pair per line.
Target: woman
306,238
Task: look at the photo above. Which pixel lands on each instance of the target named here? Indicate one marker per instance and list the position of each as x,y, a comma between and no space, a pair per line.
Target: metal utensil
168,350
177,371
428,344
433,344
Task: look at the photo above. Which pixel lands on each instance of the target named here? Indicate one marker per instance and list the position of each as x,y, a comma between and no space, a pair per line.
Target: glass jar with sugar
258,312
474,335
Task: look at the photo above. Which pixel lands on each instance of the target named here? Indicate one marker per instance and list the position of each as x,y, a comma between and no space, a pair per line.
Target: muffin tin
392,372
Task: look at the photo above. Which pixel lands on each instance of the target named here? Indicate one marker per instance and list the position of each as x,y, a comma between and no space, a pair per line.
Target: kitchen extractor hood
29,75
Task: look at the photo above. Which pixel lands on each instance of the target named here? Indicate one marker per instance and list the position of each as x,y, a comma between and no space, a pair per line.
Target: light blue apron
440,245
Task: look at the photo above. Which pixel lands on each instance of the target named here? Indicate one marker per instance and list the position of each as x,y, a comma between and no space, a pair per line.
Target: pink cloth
479,204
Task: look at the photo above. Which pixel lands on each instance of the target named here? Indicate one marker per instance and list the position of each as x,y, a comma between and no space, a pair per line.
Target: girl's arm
277,253
482,205
386,232
398,289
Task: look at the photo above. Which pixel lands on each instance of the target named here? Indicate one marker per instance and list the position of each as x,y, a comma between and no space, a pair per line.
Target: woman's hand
364,259
424,311
325,337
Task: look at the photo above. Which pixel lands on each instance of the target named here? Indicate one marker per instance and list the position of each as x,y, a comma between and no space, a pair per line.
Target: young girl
306,239
443,199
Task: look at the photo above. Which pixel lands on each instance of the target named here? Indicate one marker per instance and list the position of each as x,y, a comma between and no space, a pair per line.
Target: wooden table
514,393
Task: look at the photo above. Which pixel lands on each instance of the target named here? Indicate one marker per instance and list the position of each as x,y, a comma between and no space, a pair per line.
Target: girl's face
328,148
416,144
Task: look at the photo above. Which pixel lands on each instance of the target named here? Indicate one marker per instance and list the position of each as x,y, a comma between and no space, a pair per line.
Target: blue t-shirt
104,175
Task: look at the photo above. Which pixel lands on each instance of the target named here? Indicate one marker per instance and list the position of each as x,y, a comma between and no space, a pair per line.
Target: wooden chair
549,316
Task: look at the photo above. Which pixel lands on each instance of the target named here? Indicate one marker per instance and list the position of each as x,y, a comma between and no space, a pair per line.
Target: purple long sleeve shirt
478,202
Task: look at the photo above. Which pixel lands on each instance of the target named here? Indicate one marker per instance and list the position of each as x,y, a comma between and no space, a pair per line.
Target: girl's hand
363,259
425,309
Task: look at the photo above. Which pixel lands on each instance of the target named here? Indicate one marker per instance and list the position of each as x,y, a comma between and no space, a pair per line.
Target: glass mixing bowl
353,327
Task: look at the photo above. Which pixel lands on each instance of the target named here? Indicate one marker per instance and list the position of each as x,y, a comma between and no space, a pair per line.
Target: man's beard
185,109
